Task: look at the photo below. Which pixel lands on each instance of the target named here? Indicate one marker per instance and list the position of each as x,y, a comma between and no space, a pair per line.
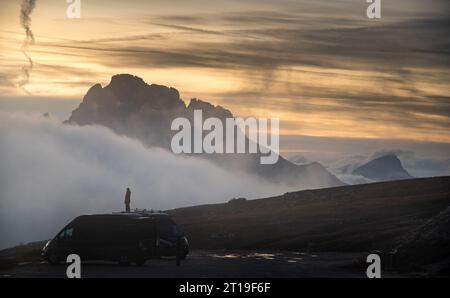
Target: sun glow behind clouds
320,67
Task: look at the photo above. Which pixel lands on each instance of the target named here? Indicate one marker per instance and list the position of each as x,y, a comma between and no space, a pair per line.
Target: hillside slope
347,218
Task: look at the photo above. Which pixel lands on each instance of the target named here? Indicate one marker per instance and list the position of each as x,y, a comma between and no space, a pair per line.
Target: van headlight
46,245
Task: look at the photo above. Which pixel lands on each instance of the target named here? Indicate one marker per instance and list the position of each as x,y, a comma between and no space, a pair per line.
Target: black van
123,237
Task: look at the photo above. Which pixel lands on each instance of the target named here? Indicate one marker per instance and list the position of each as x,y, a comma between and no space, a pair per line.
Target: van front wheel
140,261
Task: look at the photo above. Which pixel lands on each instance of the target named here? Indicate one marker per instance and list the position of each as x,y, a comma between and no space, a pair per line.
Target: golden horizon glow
207,56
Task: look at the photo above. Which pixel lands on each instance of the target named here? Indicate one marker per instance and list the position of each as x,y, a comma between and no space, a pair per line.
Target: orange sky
323,68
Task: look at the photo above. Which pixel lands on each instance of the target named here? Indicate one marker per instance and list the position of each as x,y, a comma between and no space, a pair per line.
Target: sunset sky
322,67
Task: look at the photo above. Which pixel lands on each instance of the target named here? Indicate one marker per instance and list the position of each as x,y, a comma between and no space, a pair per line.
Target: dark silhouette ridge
364,217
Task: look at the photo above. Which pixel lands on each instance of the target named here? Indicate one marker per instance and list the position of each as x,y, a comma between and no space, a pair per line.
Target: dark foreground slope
348,218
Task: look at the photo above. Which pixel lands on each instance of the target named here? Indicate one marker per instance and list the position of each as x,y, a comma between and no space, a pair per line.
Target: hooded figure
127,200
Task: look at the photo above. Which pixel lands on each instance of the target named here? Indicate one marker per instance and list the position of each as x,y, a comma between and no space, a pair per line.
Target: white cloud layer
52,172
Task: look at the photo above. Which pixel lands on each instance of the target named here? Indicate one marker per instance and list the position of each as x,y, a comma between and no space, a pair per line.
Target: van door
92,239
147,234
86,238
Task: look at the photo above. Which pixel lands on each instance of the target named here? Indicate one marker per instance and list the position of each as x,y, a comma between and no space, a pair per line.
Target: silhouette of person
127,200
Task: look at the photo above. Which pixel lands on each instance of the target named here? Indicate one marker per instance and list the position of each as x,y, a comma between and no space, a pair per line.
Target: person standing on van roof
127,200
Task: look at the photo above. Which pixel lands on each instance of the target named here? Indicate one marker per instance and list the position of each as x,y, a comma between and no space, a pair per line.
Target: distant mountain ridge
385,168
133,108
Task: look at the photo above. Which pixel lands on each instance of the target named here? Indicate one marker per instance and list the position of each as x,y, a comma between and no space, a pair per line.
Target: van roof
131,214
141,213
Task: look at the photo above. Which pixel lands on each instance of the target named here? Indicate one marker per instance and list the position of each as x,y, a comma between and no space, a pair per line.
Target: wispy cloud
322,65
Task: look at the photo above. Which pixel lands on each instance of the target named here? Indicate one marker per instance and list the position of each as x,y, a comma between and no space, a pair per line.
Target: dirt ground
214,264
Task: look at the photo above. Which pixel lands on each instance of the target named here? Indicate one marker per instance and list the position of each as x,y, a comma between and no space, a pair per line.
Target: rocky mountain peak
383,168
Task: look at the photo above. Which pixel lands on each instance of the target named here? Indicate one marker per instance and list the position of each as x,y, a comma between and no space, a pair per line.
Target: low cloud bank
52,172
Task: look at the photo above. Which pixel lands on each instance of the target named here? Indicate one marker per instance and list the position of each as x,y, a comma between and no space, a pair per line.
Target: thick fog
51,172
